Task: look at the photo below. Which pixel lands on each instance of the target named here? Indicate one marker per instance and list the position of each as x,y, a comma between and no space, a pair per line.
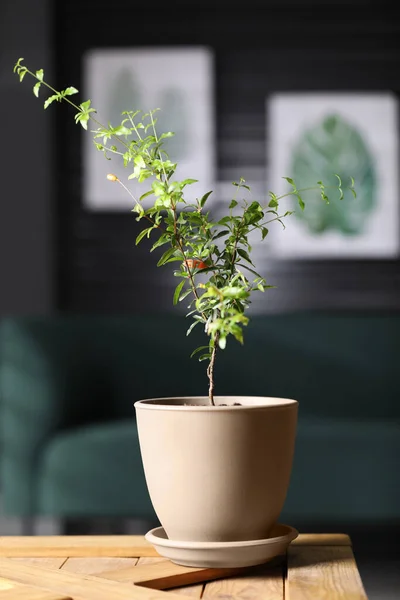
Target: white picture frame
179,81
366,134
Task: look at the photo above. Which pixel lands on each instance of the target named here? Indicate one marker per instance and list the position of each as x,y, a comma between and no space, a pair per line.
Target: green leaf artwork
124,94
329,147
174,117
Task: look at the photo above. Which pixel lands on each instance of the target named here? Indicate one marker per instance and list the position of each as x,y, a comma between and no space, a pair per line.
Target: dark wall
263,47
26,200
260,48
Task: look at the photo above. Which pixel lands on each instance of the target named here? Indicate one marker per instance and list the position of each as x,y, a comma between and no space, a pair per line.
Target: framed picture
312,137
178,81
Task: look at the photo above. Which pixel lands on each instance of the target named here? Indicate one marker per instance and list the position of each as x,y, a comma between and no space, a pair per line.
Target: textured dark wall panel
260,47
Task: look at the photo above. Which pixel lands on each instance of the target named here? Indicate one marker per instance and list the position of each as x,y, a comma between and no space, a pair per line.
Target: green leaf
290,180
70,91
173,259
220,234
168,134
83,120
143,196
163,239
244,255
122,130
204,198
339,180
301,201
138,208
185,294
273,203
178,290
251,270
233,204
199,349
189,182
158,188
36,89
235,292
85,105
167,254
264,232
142,234
255,207
51,99
144,174
353,191
17,65
241,184
139,161
194,217
205,357
325,197
193,325
39,74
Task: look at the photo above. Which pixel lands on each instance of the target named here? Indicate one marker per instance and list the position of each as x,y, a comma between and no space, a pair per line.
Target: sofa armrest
45,387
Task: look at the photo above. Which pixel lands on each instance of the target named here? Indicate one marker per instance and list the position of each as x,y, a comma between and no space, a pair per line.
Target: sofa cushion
345,470
94,471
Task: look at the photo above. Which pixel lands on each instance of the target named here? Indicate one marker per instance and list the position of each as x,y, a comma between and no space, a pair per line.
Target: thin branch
210,371
111,178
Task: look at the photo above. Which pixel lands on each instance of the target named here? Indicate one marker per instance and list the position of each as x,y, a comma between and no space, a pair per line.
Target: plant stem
210,371
78,108
137,202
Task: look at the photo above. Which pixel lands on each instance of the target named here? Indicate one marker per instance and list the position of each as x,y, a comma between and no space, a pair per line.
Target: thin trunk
210,373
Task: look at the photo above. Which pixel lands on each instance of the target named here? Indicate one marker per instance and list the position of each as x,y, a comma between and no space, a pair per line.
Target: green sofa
68,437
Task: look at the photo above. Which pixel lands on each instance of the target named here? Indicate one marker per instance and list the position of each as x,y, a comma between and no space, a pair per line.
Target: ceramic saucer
223,554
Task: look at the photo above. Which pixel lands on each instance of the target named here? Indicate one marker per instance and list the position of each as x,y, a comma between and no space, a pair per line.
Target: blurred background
272,89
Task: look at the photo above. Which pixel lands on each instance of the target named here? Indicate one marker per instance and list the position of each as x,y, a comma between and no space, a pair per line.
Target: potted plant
217,468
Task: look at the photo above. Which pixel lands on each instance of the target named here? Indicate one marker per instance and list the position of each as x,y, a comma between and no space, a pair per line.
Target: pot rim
176,403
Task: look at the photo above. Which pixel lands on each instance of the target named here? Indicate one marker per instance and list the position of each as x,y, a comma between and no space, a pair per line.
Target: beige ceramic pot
217,473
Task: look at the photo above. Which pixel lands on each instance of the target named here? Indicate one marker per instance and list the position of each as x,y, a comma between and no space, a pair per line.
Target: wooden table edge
134,546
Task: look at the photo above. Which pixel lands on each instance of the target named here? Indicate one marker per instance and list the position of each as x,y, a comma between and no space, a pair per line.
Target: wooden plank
48,563
322,539
131,546
194,591
166,575
52,563
266,581
26,592
94,566
323,572
78,586
5,584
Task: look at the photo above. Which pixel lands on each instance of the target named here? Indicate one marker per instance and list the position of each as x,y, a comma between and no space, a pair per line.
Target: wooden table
126,567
